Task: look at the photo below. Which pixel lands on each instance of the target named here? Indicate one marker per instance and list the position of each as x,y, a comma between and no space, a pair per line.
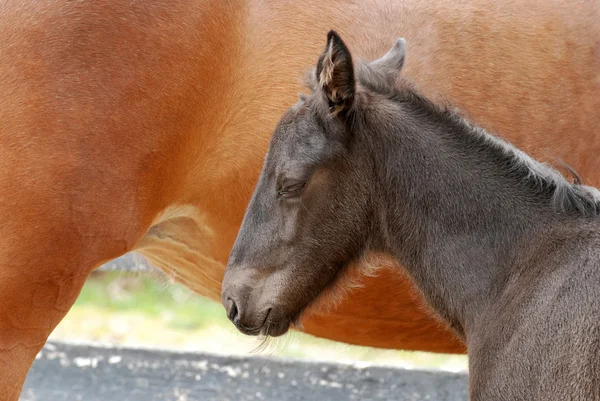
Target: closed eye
291,189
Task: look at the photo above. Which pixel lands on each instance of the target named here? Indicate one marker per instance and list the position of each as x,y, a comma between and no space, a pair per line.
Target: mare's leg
43,266
53,233
38,285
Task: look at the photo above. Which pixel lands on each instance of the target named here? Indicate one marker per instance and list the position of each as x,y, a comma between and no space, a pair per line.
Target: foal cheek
289,225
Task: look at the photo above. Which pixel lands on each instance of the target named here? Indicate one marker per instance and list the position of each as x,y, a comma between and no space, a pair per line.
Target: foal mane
541,178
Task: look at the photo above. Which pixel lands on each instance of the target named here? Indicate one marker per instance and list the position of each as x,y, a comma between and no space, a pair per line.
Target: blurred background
140,307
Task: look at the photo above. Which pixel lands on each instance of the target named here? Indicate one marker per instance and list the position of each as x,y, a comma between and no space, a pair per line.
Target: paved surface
68,372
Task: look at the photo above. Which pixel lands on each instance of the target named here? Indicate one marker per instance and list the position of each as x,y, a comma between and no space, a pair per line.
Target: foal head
309,216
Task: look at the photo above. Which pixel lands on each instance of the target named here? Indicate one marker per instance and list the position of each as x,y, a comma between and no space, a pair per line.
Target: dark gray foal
504,248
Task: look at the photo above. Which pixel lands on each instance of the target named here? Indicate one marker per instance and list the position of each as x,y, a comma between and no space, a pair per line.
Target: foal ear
335,74
391,63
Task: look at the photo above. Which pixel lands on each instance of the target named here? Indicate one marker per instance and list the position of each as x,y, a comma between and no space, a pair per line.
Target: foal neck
460,208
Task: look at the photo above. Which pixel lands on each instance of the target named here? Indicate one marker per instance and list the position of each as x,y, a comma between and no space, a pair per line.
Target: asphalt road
69,372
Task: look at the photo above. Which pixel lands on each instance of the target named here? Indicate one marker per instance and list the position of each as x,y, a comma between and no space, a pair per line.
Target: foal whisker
304,206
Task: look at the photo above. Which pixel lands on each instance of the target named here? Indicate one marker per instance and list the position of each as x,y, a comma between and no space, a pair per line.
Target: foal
503,247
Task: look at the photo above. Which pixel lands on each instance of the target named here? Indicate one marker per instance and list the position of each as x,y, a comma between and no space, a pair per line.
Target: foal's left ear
390,64
393,60
335,74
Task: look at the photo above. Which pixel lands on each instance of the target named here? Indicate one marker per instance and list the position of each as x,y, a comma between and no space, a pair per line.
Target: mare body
124,126
503,248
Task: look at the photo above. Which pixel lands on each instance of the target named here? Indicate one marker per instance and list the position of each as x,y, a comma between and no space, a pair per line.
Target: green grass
149,296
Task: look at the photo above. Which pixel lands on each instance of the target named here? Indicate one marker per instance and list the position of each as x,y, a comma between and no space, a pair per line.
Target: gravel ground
70,372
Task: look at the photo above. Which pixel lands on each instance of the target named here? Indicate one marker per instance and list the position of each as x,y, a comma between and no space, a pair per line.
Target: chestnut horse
124,126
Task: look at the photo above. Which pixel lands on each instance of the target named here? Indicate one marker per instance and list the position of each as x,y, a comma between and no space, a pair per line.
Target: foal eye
291,189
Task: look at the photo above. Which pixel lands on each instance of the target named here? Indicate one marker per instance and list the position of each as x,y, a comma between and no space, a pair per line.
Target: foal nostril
232,310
